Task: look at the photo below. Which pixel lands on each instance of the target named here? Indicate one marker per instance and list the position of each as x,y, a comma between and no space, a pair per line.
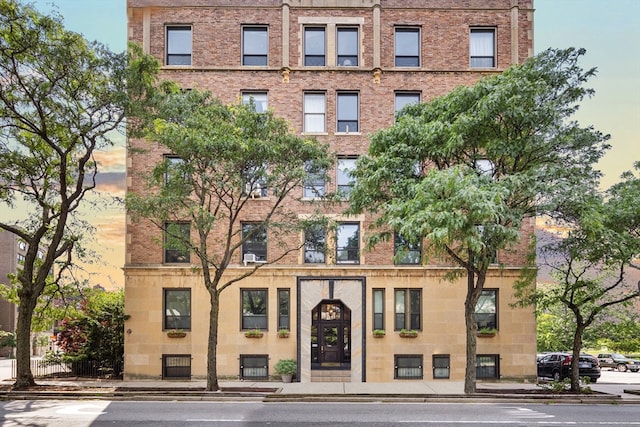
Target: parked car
618,361
558,366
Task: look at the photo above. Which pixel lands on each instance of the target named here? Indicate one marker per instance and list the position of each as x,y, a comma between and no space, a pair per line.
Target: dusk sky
608,29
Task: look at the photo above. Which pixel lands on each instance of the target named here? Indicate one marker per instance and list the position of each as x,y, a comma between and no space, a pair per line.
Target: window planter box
378,333
283,333
176,334
254,334
409,334
485,334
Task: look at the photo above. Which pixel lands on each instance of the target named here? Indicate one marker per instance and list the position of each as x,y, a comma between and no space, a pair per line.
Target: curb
275,396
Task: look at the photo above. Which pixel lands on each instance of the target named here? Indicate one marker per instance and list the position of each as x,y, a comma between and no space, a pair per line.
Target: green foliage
60,98
286,367
557,387
461,172
619,332
97,331
7,339
554,333
57,301
227,153
589,266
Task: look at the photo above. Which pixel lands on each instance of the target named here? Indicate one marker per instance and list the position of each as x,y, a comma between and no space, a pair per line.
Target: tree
591,264
225,155
463,170
59,98
553,331
96,332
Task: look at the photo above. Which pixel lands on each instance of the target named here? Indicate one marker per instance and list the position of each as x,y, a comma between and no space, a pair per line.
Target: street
85,413
249,414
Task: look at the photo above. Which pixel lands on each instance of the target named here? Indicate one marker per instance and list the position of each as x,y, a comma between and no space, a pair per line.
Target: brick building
337,70
12,255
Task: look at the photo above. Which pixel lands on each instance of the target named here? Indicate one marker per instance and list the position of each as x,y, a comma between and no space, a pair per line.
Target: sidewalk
421,391
274,390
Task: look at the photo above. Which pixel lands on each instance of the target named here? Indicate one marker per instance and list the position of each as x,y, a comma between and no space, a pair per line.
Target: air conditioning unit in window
249,258
256,192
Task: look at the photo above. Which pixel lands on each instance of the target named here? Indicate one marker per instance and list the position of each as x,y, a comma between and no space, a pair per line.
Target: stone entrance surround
310,293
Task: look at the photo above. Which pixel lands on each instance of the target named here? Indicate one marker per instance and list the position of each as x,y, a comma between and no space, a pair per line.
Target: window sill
347,133
315,133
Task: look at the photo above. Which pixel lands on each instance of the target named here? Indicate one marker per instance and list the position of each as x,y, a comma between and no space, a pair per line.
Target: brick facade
216,27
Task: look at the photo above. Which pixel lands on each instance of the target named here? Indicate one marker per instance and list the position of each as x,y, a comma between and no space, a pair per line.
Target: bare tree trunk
212,354
575,359
24,376
471,328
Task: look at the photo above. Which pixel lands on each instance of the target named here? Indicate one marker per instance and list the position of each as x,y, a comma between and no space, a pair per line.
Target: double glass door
331,335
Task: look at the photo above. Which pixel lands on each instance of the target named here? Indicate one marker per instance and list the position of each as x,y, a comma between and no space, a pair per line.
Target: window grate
254,367
176,366
408,367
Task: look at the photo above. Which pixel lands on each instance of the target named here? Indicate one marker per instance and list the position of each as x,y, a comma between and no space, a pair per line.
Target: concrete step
330,376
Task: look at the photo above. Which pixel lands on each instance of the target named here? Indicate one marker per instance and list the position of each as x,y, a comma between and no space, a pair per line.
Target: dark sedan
557,366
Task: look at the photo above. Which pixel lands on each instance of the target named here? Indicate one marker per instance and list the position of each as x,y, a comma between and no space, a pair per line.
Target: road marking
527,413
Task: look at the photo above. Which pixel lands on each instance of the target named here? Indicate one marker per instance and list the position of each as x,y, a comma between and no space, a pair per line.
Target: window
407,42
487,366
254,309
314,182
314,112
283,309
314,46
179,45
176,242
487,309
254,244
406,252
259,100
255,178
482,47
22,245
315,245
348,47
403,99
408,308
441,366
408,367
348,243
255,46
347,112
254,367
172,172
21,259
176,366
177,308
344,178
378,309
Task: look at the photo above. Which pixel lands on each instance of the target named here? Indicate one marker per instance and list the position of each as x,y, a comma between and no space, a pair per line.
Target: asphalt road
254,414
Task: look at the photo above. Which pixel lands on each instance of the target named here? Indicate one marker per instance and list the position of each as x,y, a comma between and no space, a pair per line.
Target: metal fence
82,368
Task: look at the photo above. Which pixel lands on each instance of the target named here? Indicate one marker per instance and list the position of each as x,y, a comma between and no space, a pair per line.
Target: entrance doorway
331,335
